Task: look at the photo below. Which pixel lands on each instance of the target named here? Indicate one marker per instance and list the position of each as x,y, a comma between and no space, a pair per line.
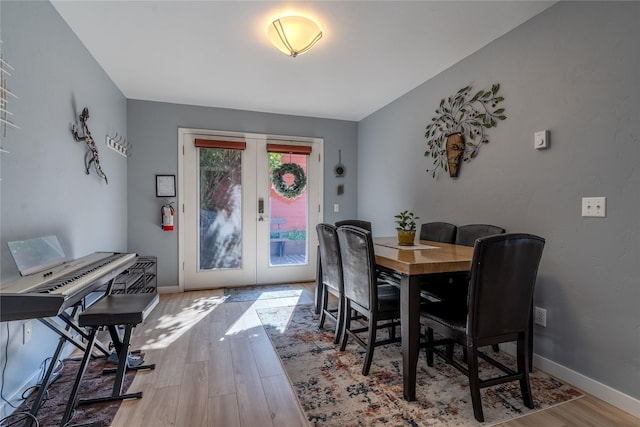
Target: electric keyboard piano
49,293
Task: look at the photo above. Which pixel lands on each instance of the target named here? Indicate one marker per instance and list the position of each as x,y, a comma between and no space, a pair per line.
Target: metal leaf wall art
459,128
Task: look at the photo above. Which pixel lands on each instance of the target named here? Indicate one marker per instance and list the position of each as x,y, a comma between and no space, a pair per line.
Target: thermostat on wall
541,140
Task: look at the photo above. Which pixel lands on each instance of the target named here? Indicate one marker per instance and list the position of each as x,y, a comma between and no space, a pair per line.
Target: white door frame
180,220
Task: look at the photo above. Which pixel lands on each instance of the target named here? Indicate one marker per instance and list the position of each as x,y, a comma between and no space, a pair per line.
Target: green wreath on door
280,185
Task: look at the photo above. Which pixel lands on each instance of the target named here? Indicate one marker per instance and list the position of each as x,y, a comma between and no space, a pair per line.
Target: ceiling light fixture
294,35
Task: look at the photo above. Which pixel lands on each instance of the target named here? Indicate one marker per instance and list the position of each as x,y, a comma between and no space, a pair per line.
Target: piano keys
49,293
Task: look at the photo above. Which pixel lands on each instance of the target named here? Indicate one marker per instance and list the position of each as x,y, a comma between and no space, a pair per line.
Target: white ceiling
215,53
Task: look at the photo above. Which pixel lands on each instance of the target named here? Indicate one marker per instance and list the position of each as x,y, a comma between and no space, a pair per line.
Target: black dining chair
356,223
438,232
466,235
332,283
502,280
437,287
318,294
378,304
452,287
383,275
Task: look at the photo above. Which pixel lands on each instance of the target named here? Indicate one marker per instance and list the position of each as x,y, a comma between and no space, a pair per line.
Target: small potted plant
406,228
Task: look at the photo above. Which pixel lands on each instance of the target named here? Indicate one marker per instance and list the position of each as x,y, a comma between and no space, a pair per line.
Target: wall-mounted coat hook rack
119,144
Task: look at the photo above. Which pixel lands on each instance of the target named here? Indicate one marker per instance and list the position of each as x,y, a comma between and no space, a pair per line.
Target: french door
238,224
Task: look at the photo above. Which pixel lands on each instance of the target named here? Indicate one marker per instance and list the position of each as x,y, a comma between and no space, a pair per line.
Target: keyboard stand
71,323
65,336
128,310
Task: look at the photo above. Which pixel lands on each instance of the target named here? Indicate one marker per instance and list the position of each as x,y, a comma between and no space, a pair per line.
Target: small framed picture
165,186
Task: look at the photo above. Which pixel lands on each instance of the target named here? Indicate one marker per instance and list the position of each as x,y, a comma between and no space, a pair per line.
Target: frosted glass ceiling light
294,35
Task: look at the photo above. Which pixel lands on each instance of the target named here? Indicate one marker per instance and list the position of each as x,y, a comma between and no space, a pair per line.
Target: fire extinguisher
167,217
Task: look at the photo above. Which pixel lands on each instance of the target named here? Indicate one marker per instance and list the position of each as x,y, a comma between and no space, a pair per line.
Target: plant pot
455,148
406,237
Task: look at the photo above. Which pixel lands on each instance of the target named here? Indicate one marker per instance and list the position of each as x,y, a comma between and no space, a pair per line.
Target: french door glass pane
288,227
220,245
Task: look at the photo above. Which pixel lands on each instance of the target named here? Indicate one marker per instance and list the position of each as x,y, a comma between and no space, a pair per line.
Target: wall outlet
26,332
540,316
336,207
594,206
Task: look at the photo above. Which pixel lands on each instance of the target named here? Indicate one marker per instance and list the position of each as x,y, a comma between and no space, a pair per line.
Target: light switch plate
541,140
594,206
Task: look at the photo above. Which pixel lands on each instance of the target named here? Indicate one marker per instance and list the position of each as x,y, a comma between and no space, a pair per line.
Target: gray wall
572,70
44,187
153,129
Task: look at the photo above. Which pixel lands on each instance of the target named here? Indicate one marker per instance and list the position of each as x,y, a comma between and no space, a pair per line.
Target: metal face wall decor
91,157
458,118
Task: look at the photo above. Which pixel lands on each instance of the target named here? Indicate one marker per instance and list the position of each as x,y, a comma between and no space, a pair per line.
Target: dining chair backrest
358,265
466,235
503,276
330,256
438,232
356,223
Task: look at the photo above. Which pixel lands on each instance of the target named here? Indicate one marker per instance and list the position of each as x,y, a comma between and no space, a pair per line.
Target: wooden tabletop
425,257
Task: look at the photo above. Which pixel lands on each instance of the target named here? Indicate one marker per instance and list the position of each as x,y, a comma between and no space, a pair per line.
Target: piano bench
119,309
126,310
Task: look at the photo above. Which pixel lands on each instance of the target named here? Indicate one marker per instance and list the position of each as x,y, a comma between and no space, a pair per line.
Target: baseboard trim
602,391
168,289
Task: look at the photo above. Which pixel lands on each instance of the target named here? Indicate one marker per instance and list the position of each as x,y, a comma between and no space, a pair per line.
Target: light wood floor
216,367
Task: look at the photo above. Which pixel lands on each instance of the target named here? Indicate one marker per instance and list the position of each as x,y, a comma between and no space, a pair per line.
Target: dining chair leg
523,369
530,340
450,350
319,282
339,321
347,324
474,382
324,299
371,345
429,348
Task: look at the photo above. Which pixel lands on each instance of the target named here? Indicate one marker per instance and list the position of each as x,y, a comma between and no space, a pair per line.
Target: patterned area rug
94,384
333,392
252,293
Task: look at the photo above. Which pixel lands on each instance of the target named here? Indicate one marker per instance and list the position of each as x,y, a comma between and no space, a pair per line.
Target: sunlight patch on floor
168,328
250,320
280,294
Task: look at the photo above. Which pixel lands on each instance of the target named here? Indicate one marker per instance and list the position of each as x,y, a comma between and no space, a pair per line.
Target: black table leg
410,328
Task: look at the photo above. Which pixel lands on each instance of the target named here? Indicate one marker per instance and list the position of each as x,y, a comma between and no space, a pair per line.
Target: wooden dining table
413,264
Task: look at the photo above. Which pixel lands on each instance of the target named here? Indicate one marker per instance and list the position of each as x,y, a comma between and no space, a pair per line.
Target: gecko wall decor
91,157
